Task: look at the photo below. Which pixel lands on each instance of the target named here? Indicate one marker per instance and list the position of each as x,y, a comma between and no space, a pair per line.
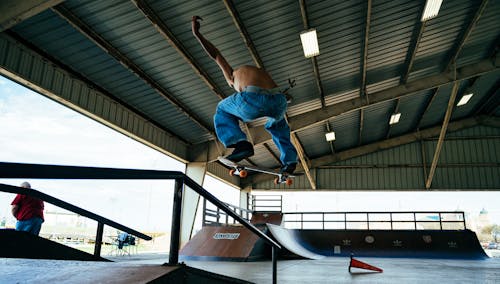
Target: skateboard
242,171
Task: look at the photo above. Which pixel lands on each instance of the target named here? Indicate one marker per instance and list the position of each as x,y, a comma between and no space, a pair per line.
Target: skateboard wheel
231,172
289,181
276,181
243,174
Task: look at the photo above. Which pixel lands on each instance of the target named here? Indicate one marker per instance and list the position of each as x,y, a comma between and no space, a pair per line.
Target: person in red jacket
28,211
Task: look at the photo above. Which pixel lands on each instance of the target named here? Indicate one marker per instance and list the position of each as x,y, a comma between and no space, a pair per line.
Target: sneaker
288,169
243,150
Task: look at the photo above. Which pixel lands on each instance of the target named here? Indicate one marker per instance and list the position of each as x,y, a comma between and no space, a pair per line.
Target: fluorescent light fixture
395,118
330,136
465,99
309,41
431,9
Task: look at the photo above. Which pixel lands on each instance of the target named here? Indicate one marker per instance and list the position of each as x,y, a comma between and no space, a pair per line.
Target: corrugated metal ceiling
274,27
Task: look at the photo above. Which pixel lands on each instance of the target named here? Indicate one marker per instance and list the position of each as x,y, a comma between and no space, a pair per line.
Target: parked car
492,245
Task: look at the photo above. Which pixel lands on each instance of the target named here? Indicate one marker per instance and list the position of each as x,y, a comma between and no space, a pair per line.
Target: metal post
275,265
323,215
463,221
301,220
204,222
368,220
218,215
415,220
390,216
440,222
98,239
345,221
173,257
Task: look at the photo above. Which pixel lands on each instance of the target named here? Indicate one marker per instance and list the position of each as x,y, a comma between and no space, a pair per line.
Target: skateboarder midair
257,95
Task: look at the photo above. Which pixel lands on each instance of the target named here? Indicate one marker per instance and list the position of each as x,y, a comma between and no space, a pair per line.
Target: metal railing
101,221
271,203
37,171
216,216
408,220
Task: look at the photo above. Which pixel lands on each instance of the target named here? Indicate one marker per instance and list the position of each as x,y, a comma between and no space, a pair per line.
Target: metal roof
402,64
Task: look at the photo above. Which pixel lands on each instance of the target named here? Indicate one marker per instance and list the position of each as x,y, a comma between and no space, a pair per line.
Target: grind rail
40,171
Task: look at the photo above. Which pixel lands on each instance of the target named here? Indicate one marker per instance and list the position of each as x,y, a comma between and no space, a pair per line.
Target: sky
35,129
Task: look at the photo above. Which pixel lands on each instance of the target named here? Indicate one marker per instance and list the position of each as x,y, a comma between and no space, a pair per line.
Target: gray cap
26,184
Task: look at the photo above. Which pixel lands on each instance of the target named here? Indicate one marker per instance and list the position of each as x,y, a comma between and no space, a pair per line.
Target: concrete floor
335,270
142,268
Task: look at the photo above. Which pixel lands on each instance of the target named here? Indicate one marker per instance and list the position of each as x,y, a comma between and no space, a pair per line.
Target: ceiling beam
489,97
442,134
361,126
15,11
276,158
427,106
399,140
364,63
394,111
390,143
311,118
163,29
460,44
329,129
87,31
302,158
412,51
364,52
250,46
243,33
258,61
492,121
314,61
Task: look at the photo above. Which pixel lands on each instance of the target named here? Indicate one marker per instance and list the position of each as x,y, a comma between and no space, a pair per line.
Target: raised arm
212,51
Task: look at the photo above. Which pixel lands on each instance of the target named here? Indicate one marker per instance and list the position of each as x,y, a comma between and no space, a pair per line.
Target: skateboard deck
242,171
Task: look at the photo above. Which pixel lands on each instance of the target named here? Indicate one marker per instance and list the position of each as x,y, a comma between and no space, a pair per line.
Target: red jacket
29,207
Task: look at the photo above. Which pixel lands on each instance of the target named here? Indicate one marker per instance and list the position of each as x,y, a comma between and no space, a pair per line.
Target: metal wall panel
469,160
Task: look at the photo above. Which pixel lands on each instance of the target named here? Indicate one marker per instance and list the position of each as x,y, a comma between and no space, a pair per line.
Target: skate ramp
17,244
231,242
288,239
311,243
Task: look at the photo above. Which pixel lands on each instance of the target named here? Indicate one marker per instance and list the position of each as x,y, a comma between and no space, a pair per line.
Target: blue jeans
32,225
252,103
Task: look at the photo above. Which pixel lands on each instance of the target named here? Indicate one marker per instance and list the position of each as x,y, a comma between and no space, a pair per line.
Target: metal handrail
101,221
207,212
37,171
255,199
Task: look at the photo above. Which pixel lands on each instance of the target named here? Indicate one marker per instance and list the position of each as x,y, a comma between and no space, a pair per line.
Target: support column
190,201
244,200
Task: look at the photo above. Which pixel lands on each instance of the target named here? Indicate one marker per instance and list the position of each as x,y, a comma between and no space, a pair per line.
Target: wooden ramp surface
16,270
230,242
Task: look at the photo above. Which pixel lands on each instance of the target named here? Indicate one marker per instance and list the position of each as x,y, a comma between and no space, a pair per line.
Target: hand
195,25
